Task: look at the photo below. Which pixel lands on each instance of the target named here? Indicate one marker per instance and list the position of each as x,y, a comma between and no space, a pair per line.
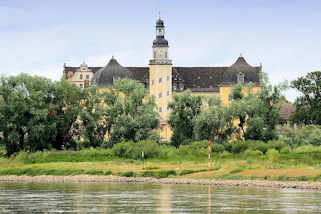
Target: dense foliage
308,105
184,109
38,114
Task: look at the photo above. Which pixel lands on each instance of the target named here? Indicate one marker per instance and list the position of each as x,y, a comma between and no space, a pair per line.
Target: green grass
305,161
236,170
191,171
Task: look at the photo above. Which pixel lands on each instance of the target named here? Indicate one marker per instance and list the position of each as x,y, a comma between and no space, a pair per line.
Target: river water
152,198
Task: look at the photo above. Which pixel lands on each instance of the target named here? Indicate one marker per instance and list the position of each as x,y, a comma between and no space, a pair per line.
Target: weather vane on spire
159,15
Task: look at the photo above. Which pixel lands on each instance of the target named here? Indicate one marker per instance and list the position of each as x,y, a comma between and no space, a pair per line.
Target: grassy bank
279,163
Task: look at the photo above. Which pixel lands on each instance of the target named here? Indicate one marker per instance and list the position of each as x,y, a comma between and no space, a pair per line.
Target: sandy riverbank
111,178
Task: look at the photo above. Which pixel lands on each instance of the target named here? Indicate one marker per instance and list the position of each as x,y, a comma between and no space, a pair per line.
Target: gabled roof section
241,64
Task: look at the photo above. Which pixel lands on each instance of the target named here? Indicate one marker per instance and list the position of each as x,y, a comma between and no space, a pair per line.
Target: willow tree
130,112
184,109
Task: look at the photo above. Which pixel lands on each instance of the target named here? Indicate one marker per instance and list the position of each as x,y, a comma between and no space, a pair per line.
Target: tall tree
257,114
93,123
214,123
25,105
308,105
185,108
129,112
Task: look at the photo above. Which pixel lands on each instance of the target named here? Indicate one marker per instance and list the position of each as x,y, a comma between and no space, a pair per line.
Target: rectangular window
160,95
167,93
81,85
80,76
160,109
152,82
160,80
87,76
174,87
167,78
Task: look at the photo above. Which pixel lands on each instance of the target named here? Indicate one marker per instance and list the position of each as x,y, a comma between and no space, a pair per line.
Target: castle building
163,79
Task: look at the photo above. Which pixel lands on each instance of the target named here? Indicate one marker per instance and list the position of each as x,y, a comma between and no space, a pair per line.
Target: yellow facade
226,91
160,86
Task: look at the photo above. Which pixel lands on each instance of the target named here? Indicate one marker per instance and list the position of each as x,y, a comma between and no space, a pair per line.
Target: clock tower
160,72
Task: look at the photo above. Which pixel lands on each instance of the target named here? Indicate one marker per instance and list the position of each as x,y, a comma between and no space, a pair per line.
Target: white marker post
143,158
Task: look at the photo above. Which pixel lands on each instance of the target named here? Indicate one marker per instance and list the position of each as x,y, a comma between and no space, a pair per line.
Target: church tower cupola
160,40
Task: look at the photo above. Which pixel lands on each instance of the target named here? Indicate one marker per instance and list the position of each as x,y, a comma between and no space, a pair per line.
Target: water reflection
151,198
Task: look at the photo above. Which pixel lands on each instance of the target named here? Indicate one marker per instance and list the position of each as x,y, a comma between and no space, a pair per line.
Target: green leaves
308,105
185,108
129,112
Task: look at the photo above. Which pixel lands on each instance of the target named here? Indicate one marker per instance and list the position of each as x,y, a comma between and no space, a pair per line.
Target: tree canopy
308,104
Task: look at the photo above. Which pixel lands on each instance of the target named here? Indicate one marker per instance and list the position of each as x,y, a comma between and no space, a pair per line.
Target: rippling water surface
152,198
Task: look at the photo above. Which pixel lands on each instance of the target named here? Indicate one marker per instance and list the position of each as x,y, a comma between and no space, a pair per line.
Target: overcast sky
38,36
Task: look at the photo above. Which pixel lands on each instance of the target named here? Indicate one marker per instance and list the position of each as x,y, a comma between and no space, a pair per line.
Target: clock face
160,32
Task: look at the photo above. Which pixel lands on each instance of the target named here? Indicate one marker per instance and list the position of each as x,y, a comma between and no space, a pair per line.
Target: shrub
307,149
225,154
150,148
128,174
282,178
197,148
285,150
301,178
159,174
276,144
255,153
228,146
108,172
125,150
106,145
239,147
272,155
166,173
308,135
257,145
218,148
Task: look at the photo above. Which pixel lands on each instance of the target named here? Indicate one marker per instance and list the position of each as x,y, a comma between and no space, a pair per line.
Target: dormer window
240,78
